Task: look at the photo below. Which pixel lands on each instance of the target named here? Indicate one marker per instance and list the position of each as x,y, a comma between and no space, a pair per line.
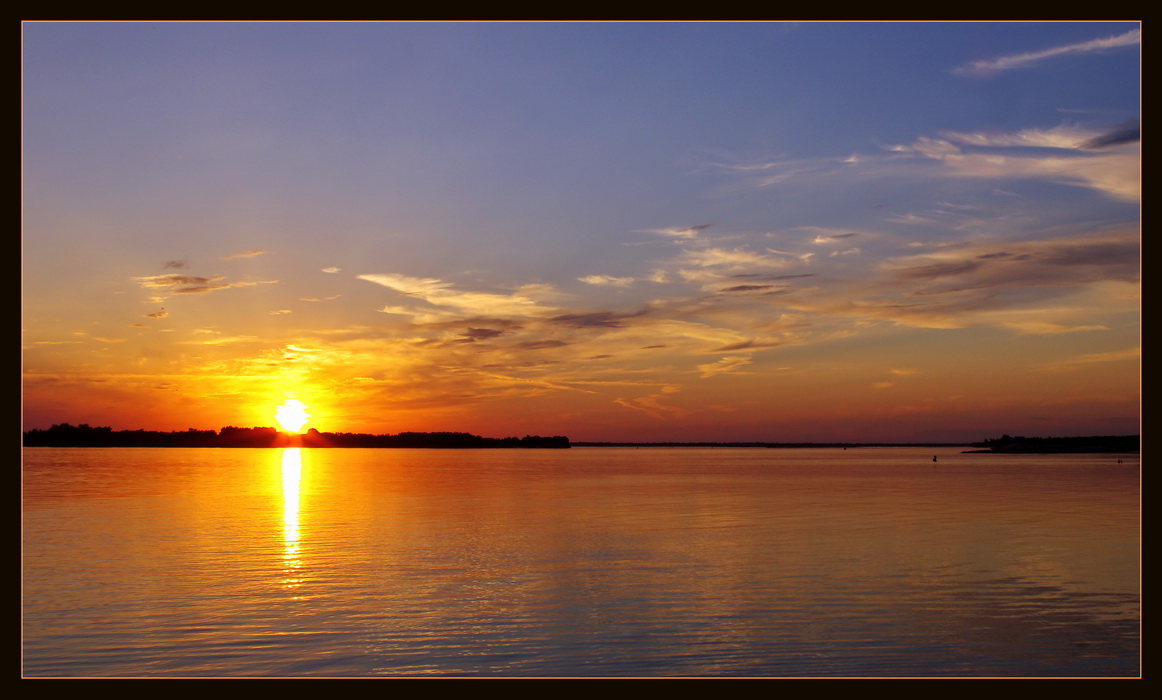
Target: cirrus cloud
992,66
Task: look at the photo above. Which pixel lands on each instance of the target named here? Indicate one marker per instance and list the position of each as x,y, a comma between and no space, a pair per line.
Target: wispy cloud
1094,358
727,365
985,284
1107,160
440,293
830,237
652,406
991,66
1125,133
217,338
757,175
1115,172
607,280
680,233
1041,327
1063,136
737,258
244,254
599,319
168,285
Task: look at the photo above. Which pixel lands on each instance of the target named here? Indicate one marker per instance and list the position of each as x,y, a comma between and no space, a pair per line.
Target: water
582,562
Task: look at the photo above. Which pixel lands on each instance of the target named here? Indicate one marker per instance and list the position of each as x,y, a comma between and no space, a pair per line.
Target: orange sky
582,230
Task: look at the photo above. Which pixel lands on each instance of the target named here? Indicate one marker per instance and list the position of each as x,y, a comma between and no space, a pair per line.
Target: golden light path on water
292,471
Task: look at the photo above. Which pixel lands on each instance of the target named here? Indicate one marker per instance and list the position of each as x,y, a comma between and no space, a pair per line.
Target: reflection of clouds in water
292,468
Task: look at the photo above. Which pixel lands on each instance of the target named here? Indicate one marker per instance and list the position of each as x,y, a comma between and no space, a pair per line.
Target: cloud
763,174
157,314
442,294
750,288
1054,262
733,259
987,67
1063,136
607,280
1126,133
550,344
186,284
940,269
1094,358
802,257
1042,327
830,238
748,345
727,365
175,281
1115,172
652,406
679,233
331,270
476,334
597,319
219,339
174,265
244,254
985,284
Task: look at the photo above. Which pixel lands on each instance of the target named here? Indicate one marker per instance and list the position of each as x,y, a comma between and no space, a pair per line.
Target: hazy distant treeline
84,435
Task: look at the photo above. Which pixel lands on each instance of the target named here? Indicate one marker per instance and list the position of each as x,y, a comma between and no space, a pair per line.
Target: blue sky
599,228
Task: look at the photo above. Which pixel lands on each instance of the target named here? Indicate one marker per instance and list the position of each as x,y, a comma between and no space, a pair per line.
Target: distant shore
1098,444
65,435
776,445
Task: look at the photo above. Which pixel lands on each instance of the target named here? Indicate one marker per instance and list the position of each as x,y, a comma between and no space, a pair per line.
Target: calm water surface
581,562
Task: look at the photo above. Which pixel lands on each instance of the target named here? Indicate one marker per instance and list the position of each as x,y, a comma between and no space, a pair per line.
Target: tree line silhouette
1059,445
84,435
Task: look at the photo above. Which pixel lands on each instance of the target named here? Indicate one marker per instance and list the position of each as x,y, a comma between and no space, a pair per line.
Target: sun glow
292,415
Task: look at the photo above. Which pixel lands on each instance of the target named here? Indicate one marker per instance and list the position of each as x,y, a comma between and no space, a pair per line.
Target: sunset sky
728,231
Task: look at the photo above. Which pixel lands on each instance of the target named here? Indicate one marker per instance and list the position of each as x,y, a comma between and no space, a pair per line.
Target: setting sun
292,415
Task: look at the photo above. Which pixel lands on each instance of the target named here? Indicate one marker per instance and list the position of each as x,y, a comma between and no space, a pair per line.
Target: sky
878,232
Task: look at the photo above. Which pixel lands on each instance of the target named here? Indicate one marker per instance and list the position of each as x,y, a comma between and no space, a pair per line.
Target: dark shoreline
774,445
65,435
1096,444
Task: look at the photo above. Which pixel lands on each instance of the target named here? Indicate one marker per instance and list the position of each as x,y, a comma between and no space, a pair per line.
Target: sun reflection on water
292,471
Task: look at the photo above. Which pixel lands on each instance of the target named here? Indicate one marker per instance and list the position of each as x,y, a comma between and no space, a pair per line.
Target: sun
292,415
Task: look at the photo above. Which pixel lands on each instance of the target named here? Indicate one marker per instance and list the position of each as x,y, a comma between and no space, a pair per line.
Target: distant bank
1004,444
1001,445
1060,445
778,445
65,435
